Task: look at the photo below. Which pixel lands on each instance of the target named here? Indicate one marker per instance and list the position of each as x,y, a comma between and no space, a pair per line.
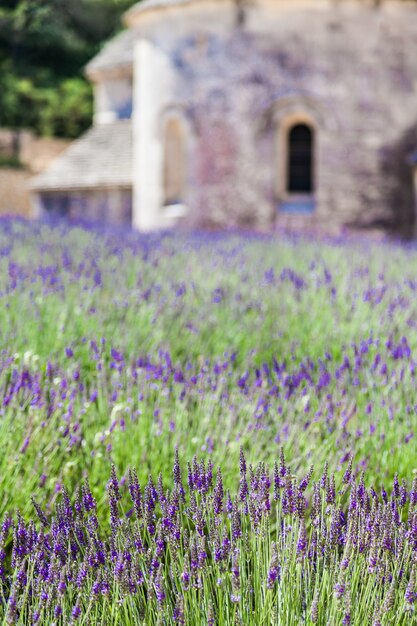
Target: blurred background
45,99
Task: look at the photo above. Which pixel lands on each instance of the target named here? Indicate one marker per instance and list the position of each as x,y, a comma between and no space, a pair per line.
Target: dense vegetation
44,45
255,397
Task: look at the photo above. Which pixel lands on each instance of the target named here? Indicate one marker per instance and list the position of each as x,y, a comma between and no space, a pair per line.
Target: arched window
300,150
174,162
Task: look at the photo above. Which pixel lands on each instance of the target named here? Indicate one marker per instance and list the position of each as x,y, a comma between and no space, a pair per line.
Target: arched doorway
174,162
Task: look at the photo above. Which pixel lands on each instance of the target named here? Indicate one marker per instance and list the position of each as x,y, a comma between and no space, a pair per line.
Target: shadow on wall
398,174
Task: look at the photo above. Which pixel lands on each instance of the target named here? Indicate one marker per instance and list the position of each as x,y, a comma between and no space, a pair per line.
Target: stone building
414,165
250,114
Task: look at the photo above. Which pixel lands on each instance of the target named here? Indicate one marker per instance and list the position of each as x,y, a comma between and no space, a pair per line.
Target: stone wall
14,197
35,155
347,67
415,189
38,152
113,206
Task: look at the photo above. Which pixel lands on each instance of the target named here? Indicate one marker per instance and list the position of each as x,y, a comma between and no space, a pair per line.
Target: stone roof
116,54
149,5
145,5
100,158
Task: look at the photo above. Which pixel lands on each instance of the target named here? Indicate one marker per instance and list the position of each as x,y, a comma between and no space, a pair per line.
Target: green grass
200,298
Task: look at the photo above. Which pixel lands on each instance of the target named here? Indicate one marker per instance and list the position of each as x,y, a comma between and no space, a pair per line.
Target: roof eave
132,15
119,70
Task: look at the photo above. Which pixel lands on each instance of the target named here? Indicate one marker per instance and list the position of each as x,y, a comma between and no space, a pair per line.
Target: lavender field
206,429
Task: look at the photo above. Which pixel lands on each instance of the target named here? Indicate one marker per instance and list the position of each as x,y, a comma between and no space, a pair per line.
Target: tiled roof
100,158
117,53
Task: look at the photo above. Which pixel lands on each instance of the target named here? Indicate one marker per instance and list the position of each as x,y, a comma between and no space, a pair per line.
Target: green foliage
68,109
44,46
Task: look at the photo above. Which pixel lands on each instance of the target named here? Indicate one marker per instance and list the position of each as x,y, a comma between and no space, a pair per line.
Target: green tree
44,45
